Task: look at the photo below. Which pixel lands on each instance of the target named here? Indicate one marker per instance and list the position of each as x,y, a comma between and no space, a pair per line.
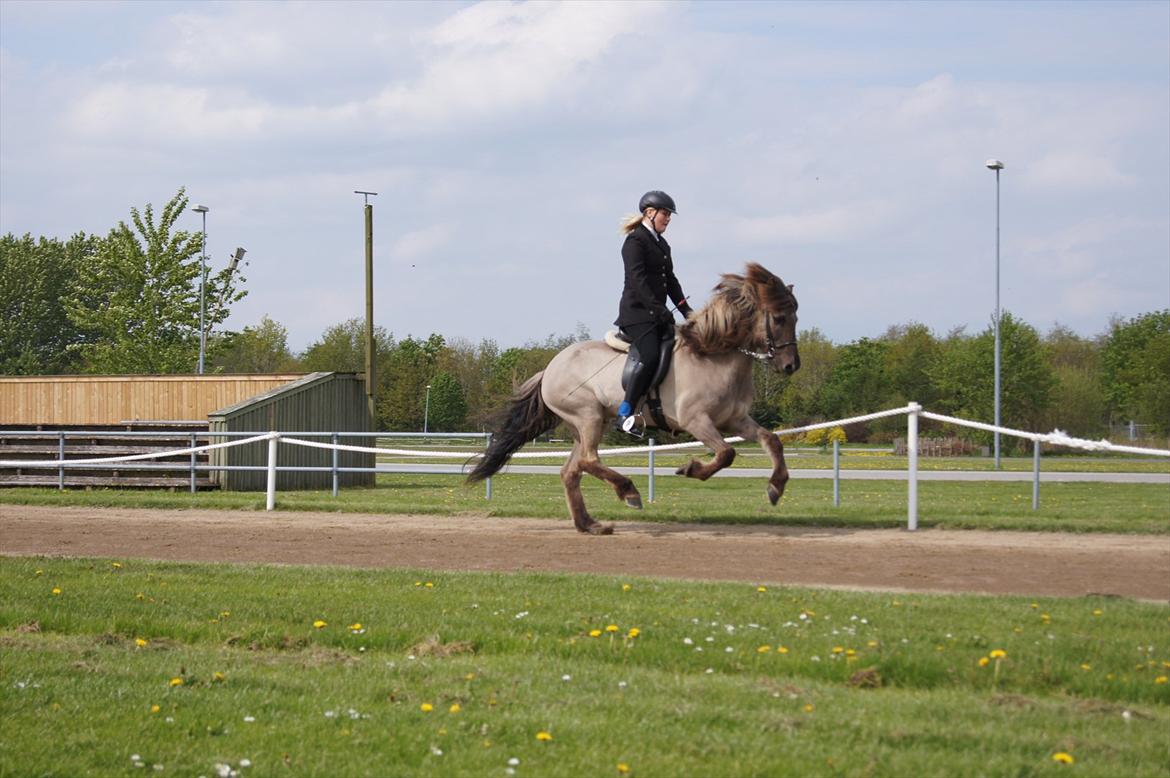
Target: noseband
769,343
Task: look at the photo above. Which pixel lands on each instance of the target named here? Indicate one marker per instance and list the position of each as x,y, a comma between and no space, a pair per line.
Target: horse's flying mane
728,321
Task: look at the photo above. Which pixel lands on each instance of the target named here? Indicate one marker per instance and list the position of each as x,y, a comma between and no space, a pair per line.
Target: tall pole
427,409
997,321
996,165
202,210
370,377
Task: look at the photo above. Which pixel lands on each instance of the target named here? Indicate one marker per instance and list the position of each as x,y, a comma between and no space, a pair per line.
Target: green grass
870,684
1064,507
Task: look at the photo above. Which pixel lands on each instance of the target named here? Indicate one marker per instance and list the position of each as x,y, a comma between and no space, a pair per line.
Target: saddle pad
616,341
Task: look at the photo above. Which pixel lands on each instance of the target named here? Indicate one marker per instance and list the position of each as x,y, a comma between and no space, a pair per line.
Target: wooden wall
29,401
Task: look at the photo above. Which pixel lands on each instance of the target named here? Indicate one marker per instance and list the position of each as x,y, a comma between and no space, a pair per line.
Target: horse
707,391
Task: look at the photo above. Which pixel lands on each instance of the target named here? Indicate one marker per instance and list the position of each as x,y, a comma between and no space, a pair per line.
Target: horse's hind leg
571,479
591,464
749,429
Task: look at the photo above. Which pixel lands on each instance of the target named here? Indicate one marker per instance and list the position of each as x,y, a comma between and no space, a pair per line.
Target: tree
911,350
1136,370
1078,402
139,296
34,278
858,383
964,376
259,349
448,411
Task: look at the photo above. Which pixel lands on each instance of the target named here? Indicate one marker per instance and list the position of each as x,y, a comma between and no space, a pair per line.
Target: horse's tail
527,416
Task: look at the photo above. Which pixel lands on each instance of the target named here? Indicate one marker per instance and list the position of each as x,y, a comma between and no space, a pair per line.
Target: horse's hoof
634,501
600,529
774,494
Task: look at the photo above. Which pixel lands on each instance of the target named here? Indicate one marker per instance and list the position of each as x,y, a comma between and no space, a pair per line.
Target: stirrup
629,425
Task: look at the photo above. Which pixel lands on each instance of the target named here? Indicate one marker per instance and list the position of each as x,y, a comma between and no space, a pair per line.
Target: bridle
769,342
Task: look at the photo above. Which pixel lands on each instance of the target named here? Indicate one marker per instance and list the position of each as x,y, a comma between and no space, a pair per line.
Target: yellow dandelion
850,652
809,708
1086,666
429,585
418,583
155,709
1161,679
1097,611
355,626
623,768
320,624
763,649
218,677
612,628
1062,757
984,661
626,587
426,707
176,681
838,650
140,596
469,677
116,565
544,736
871,644
56,591
634,632
781,649
998,653
594,633
39,572
761,588
455,708
1035,606
141,642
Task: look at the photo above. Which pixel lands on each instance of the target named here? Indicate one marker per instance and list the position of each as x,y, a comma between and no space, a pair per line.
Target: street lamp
202,209
996,165
427,409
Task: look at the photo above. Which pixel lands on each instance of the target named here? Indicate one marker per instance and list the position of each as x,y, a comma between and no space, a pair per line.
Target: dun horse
707,392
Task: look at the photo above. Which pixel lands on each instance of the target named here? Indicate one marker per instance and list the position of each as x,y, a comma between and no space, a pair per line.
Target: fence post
836,474
61,458
1036,475
912,466
193,444
650,454
488,481
335,452
273,439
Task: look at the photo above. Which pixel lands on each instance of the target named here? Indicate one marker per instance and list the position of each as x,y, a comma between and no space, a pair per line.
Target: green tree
964,376
38,336
259,349
410,367
448,411
1136,370
859,383
911,350
1078,402
139,296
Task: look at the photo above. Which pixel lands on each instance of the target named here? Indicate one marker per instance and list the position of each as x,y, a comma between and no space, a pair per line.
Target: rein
769,343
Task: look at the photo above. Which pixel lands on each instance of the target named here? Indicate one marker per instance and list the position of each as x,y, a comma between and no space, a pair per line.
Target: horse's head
775,324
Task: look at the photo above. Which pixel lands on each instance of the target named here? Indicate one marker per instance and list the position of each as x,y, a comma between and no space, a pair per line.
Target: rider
642,315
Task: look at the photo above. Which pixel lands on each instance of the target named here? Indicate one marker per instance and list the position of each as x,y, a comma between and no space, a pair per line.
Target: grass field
121,667
1068,507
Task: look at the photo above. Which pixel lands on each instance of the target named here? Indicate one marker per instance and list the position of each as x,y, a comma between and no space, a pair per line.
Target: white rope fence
912,411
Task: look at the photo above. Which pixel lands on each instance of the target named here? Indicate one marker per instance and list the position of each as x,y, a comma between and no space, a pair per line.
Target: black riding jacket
649,279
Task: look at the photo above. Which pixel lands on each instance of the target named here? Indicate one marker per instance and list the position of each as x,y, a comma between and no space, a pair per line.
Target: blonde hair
629,223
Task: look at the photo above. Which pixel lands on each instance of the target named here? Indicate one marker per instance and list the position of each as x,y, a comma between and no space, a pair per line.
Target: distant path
853,475
1026,563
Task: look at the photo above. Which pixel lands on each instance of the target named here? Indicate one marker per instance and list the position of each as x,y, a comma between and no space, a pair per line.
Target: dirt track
928,560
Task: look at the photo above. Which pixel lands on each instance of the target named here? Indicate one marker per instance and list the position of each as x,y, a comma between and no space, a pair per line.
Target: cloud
420,243
1074,170
826,225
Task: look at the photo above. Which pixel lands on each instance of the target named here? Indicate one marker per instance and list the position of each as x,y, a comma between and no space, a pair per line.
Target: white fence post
650,457
912,466
1036,475
836,474
273,439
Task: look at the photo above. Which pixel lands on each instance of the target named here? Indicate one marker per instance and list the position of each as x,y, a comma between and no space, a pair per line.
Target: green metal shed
319,402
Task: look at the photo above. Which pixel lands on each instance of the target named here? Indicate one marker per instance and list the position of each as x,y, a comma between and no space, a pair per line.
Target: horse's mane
728,321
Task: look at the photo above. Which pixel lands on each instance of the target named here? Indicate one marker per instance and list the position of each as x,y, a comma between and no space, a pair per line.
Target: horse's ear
791,287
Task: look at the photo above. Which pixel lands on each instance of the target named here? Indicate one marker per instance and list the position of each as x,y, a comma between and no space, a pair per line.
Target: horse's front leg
748,429
704,429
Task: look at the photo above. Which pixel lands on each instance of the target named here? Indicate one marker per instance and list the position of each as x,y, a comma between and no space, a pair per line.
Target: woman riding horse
642,314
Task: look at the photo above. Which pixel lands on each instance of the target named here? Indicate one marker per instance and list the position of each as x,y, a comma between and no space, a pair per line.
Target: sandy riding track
928,560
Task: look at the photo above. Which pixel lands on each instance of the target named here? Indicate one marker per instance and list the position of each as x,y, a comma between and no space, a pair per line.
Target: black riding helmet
656,199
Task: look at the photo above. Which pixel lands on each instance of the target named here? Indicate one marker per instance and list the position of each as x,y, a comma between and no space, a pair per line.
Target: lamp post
202,210
427,409
370,365
996,165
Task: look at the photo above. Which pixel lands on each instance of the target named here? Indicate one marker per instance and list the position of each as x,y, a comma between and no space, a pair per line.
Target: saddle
617,340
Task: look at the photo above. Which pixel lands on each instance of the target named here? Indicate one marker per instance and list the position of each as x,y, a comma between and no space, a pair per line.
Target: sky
841,145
